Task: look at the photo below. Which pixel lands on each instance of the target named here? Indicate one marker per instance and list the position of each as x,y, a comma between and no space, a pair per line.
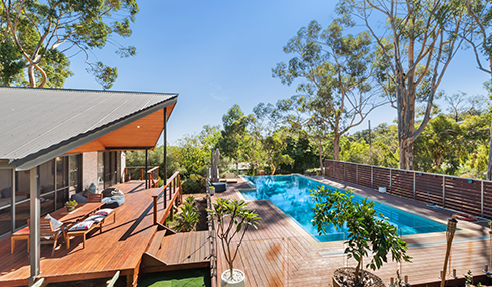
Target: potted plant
233,218
368,234
382,189
70,205
211,189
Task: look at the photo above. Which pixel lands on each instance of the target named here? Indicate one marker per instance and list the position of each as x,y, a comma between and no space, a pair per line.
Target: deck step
155,244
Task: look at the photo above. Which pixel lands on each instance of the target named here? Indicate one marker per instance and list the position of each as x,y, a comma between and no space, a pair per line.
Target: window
5,200
47,177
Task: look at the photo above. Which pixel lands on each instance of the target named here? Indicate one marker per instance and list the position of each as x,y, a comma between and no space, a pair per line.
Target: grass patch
188,278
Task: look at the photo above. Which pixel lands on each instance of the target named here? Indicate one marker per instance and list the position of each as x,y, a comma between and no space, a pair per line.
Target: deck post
155,209
12,206
146,167
35,213
164,131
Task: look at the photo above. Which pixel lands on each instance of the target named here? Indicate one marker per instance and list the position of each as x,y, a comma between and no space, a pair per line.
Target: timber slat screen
471,196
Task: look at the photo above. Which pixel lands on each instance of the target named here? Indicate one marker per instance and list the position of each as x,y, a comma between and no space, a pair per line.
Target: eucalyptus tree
478,37
337,92
234,129
43,34
417,41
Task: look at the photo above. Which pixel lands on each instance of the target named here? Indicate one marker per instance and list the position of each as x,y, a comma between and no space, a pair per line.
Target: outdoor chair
48,234
94,197
230,177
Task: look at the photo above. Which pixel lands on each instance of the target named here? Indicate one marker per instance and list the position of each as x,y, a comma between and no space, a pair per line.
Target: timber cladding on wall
470,196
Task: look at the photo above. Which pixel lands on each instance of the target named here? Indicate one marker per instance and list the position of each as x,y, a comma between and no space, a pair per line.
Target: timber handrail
142,168
153,177
175,192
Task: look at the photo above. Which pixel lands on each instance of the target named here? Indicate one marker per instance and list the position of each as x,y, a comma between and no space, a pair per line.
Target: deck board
279,253
119,247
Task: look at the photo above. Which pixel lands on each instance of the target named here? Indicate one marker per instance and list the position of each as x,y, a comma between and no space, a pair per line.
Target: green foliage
368,233
233,218
11,62
194,184
336,94
44,32
189,216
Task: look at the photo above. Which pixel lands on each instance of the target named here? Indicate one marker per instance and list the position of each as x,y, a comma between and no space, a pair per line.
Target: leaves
233,218
367,232
44,32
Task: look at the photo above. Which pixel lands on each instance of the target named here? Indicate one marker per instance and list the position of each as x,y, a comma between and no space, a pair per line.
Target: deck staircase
169,250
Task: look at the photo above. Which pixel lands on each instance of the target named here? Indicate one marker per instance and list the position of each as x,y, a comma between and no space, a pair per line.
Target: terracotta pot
239,282
341,275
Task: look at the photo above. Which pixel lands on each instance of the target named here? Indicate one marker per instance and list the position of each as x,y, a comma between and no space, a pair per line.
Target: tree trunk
32,78
489,168
321,157
336,147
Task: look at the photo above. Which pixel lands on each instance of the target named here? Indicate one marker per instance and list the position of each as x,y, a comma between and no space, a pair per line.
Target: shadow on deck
120,247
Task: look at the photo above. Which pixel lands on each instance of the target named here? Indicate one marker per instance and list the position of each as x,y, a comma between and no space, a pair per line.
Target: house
54,143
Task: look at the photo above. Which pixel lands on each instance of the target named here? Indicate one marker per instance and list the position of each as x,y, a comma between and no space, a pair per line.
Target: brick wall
89,169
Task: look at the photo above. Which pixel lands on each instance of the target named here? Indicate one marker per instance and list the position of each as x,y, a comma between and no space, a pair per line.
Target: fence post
390,191
443,191
357,173
344,171
414,185
372,176
481,200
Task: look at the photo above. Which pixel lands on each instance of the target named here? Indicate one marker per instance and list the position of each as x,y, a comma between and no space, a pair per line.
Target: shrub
368,233
189,217
194,184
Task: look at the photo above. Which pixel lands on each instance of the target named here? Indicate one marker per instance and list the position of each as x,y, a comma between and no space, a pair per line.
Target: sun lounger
89,224
230,178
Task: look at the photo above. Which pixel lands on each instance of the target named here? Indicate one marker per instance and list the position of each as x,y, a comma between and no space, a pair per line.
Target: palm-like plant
233,218
189,217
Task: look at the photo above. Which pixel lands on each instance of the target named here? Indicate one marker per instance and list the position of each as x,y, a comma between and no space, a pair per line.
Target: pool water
291,193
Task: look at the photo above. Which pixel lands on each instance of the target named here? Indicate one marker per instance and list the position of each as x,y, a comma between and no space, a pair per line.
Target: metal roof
34,122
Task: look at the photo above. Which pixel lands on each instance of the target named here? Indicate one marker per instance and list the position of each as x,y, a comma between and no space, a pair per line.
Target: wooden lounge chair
94,197
230,178
48,234
81,232
95,225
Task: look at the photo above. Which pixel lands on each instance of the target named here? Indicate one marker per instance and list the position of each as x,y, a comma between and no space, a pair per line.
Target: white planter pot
382,189
212,191
239,280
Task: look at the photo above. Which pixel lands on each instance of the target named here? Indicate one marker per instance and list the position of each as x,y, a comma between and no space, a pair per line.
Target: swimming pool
291,194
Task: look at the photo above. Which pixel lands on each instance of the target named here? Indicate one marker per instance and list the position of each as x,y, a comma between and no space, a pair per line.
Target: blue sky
219,53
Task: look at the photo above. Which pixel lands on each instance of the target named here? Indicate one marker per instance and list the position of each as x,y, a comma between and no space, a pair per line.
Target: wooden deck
280,253
119,248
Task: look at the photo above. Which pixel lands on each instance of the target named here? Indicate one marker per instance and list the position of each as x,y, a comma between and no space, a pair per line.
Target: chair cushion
104,212
54,223
84,225
95,218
